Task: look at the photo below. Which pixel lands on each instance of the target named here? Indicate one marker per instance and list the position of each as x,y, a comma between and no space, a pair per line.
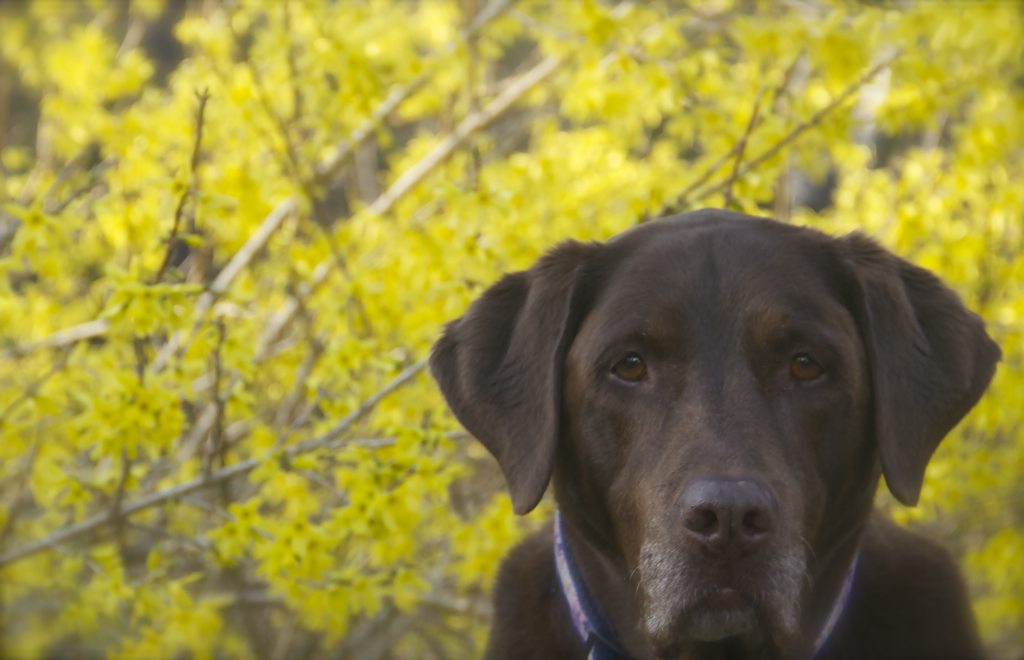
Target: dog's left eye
804,367
631,368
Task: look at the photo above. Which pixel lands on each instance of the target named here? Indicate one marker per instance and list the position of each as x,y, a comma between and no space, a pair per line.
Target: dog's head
716,396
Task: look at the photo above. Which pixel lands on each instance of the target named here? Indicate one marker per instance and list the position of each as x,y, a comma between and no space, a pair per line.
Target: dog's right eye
805,368
631,368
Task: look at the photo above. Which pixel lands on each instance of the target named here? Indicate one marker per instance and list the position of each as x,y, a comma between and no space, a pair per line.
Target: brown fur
720,474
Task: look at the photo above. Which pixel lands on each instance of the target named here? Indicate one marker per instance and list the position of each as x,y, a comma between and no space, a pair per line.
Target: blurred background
230,231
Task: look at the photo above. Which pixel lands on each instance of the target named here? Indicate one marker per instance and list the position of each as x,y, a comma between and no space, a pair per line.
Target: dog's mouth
724,600
720,614
688,601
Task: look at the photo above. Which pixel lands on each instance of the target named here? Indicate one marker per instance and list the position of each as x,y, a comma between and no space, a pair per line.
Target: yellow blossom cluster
221,271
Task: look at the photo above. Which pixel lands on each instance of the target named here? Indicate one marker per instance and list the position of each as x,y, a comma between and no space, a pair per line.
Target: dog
715,397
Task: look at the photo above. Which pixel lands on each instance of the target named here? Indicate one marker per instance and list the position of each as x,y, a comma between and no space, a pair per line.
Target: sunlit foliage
206,274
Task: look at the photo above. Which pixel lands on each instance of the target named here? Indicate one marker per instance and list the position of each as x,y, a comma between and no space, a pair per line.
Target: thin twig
140,359
541,26
178,344
291,161
740,146
301,420
346,422
286,312
320,481
810,123
122,484
181,490
316,350
220,285
680,202
681,199
31,390
172,239
284,639
133,36
409,179
346,148
63,337
415,174
472,66
190,444
21,489
293,67
787,77
66,172
256,242
198,541
470,125
216,450
95,179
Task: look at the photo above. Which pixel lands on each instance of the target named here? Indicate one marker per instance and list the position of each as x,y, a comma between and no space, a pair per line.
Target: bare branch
21,490
258,240
70,169
95,179
681,199
286,312
413,176
810,123
678,205
366,406
540,26
741,145
291,401
189,190
284,639
133,36
115,506
216,431
220,285
224,474
62,338
31,390
320,481
195,437
198,541
345,149
470,125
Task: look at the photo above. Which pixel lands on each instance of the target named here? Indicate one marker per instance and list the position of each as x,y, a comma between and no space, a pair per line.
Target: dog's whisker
814,555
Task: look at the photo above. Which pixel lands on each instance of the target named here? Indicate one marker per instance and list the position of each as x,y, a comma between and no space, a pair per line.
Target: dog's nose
729,515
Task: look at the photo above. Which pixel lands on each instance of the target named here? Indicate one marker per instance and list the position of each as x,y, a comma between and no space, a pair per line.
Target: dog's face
716,400
713,394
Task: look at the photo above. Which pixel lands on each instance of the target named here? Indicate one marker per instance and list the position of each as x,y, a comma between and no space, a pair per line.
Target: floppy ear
929,355
500,367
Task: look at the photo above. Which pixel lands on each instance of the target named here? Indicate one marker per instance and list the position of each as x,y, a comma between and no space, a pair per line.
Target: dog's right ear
930,359
500,366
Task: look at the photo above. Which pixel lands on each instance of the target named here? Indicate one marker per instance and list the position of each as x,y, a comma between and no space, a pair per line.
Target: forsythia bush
219,283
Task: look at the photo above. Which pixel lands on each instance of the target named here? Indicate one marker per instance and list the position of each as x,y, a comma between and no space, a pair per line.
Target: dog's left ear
500,367
930,360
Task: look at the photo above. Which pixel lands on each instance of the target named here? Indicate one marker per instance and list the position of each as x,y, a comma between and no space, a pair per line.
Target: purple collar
596,632
837,607
593,628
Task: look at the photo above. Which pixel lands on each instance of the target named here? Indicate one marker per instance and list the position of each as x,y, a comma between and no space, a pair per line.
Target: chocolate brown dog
716,397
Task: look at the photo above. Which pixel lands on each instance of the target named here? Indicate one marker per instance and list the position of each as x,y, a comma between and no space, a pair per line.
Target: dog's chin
717,616
715,625
721,615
